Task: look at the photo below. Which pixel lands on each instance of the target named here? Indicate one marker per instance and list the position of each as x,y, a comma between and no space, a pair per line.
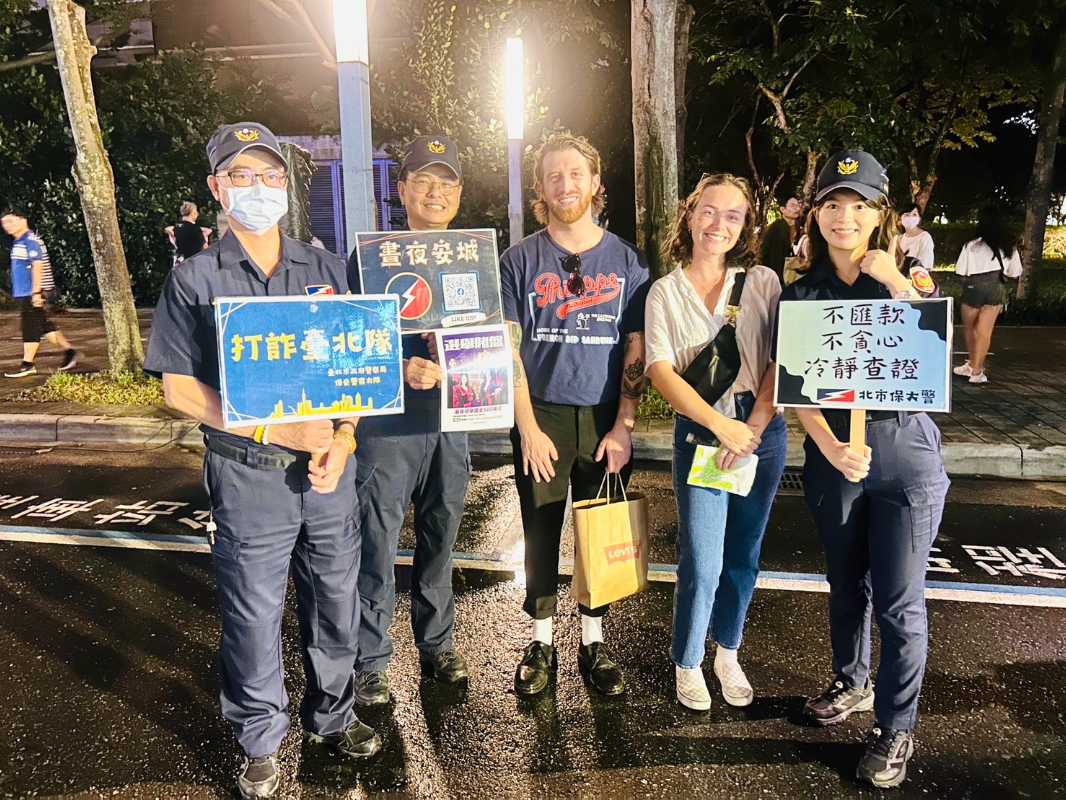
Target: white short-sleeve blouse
677,325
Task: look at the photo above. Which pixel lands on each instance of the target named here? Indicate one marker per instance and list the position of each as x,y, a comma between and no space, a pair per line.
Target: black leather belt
250,456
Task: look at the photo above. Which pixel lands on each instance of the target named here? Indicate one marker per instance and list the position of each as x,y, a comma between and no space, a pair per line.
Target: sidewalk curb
960,458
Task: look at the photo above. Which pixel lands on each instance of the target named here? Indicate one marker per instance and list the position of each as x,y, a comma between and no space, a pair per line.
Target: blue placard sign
891,355
289,359
444,279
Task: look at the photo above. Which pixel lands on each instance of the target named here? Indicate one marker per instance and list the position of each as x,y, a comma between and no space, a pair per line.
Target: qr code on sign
460,292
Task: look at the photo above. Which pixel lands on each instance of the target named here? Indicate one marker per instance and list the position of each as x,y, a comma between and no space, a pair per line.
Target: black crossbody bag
717,365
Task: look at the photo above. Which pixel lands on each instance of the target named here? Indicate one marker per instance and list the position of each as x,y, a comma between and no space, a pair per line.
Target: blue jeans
719,540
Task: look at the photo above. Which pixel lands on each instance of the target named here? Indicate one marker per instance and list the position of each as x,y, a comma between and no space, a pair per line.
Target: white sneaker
965,370
735,687
979,377
692,688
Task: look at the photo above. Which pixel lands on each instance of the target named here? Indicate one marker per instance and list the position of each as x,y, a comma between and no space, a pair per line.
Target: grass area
99,389
653,406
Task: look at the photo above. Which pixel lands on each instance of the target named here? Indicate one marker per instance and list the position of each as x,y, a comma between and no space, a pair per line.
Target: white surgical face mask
910,222
257,207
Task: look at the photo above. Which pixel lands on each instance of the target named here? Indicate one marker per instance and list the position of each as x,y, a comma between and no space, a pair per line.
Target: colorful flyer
477,392
444,279
290,359
890,355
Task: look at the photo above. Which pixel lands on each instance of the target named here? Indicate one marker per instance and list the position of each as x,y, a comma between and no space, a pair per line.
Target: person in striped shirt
32,284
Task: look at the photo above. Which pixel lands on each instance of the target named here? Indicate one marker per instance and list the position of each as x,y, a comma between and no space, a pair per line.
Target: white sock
542,630
725,656
591,630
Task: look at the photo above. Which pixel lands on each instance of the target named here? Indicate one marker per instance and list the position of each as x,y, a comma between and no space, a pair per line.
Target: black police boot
258,778
538,662
371,688
446,666
358,741
884,764
599,669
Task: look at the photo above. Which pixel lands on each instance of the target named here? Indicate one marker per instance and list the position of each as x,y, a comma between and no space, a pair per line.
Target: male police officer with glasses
283,496
406,459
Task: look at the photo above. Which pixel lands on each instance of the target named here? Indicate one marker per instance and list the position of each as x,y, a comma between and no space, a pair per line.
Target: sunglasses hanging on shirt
576,284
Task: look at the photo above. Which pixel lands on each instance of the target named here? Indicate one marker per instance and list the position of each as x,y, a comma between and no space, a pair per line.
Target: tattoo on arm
516,353
634,381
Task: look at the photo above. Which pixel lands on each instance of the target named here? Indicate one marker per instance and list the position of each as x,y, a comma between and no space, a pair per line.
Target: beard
569,214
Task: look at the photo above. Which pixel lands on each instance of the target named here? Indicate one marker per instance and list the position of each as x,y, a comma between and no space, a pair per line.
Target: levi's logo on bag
621,552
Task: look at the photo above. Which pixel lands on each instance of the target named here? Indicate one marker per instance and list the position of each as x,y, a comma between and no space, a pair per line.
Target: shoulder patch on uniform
922,280
319,288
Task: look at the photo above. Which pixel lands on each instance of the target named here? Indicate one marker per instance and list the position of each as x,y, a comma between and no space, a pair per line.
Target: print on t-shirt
561,316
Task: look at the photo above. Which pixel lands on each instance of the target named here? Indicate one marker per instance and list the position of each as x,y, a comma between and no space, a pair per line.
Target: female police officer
877,512
273,506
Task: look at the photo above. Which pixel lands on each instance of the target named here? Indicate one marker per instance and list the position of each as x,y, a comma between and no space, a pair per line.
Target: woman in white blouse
985,264
719,534
915,242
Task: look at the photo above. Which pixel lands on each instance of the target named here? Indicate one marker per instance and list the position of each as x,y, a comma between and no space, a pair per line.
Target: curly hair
556,143
678,246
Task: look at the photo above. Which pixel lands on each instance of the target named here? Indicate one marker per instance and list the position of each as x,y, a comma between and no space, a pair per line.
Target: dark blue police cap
229,141
852,169
433,149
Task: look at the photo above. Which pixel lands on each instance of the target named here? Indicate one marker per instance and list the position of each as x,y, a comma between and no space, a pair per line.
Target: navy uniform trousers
268,520
876,535
405,459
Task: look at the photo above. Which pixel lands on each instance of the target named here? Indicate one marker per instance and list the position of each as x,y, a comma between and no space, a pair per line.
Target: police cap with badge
860,172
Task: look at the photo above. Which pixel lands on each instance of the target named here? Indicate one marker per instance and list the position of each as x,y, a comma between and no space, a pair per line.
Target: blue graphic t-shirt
573,346
25,250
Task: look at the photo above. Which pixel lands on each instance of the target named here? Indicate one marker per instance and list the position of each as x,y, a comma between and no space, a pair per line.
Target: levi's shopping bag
610,546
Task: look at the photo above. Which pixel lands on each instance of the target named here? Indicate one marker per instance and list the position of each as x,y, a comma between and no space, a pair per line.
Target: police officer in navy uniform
877,512
281,496
406,459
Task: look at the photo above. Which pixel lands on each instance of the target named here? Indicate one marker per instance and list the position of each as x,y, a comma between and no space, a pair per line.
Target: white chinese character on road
140,513
939,563
1019,561
57,509
9,501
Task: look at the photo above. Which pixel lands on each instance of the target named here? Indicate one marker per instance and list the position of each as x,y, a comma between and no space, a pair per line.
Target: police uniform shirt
183,339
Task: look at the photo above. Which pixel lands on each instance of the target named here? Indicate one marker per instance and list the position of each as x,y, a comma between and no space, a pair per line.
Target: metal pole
357,153
515,209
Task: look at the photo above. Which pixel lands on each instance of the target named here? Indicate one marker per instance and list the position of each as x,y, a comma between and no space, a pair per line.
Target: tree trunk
1038,197
653,47
96,186
683,27
810,178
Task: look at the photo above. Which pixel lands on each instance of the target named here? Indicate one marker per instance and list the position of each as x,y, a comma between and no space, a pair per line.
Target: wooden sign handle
857,440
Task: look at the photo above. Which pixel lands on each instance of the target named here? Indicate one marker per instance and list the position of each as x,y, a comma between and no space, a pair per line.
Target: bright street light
514,111
350,31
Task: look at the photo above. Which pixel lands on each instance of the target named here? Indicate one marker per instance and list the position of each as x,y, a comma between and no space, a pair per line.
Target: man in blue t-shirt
573,295
32,284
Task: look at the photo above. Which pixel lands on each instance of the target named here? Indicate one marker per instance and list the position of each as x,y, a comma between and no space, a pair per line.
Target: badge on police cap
849,166
247,135
436,147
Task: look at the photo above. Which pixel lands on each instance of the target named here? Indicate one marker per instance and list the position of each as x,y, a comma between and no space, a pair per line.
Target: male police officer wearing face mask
281,496
407,459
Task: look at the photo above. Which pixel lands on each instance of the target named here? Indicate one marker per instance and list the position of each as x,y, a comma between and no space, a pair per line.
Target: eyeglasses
243,178
424,185
576,284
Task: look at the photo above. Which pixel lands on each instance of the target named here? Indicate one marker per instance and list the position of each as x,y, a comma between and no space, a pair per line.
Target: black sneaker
258,777
359,741
599,669
371,688
538,662
447,666
838,702
884,764
70,360
26,368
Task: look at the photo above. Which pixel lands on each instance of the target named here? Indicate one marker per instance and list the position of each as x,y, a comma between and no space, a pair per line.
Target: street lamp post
353,90
515,95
